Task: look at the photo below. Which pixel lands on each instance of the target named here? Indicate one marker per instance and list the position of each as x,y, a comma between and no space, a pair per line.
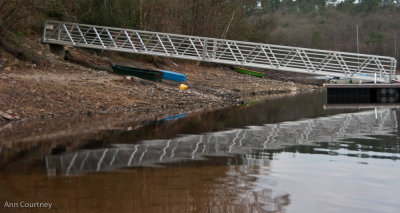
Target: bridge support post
58,50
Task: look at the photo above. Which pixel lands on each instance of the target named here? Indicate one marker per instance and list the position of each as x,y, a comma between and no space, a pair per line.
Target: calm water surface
289,154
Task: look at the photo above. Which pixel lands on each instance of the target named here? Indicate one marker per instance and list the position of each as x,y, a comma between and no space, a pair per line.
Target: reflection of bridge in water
361,125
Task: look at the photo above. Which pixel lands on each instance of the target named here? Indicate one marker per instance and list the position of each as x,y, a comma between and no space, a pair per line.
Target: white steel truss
276,57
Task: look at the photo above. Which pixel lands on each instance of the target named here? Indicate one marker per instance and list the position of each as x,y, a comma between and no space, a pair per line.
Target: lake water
287,154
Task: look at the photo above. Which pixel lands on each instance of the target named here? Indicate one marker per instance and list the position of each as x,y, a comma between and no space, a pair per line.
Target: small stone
8,69
7,126
9,111
6,116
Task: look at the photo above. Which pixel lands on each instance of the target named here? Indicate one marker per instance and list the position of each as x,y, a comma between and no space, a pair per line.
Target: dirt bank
59,88
32,92
62,99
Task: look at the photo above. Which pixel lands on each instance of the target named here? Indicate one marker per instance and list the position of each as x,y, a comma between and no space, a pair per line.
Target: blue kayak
174,76
176,117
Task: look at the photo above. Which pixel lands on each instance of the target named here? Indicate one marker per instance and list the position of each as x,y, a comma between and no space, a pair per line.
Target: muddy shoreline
62,102
60,88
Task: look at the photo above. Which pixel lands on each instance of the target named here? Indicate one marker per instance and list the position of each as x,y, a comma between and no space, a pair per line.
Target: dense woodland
326,24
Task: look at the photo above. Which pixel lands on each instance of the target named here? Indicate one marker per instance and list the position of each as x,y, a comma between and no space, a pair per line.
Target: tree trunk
141,14
74,58
14,46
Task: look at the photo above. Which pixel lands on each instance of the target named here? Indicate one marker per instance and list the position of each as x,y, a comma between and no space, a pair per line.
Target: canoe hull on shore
249,72
147,74
174,76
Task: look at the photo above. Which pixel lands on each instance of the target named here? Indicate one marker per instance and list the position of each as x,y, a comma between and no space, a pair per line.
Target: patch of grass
251,103
286,24
19,34
129,55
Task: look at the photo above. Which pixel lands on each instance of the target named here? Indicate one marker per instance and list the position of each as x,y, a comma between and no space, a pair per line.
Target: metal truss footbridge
240,53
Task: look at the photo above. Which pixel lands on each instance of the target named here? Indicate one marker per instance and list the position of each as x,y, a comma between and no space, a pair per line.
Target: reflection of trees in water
201,187
276,108
192,186
216,188
237,192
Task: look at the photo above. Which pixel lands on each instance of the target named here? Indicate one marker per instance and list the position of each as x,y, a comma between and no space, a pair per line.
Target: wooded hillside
324,24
